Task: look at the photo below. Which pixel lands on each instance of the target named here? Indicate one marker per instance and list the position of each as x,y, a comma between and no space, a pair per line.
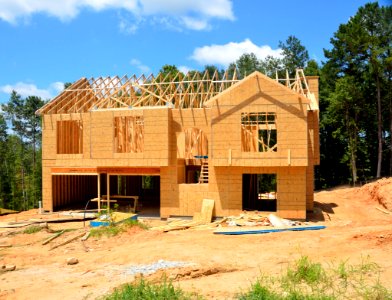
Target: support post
99,192
108,191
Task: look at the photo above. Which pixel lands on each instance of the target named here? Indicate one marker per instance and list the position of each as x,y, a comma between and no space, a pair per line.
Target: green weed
115,229
148,291
33,229
310,281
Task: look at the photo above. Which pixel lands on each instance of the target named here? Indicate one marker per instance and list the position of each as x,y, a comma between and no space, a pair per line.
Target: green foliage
20,175
111,230
148,291
272,65
294,53
247,64
305,270
33,229
309,280
115,229
361,51
169,72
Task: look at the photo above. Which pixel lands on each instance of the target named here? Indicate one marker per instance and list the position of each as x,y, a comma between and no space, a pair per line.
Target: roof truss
102,93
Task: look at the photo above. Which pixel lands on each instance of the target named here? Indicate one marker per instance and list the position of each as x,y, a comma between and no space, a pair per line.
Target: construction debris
86,236
56,235
8,268
72,261
68,241
4,211
244,230
247,219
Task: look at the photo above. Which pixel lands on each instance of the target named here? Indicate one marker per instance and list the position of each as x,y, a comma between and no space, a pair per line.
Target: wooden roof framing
102,93
177,91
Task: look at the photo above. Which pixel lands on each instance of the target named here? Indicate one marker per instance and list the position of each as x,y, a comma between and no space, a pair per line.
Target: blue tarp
261,231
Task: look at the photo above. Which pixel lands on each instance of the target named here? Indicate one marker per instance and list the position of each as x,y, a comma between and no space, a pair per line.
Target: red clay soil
222,265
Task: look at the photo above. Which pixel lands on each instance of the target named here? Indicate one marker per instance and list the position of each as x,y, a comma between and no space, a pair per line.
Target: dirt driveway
220,266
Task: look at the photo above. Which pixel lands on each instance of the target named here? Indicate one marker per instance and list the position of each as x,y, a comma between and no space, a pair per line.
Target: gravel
152,268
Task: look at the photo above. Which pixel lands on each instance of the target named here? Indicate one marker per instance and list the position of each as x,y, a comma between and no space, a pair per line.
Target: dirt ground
221,265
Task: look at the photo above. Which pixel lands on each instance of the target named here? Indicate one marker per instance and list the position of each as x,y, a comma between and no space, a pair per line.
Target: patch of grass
309,280
115,229
305,271
142,289
32,229
111,230
131,223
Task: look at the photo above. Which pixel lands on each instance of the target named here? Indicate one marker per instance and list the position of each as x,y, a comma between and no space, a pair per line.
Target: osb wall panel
309,188
314,136
98,134
258,94
186,119
47,184
225,187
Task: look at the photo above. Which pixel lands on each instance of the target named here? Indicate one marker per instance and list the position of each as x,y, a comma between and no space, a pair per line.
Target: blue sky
46,43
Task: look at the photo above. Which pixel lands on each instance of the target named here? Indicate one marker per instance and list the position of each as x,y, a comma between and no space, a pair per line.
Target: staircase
204,171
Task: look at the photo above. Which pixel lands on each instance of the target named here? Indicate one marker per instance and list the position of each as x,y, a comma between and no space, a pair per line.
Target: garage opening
259,192
74,191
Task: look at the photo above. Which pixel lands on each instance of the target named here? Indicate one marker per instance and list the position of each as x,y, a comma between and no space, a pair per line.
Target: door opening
259,192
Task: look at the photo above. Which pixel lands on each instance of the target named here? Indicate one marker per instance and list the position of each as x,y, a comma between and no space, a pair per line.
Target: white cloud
225,54
184,69
29,89
191,14
138,64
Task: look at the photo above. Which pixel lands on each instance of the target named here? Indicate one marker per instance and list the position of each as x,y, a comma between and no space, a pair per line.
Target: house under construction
248,144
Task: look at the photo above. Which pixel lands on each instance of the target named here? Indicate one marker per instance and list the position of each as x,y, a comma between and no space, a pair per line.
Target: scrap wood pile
203,220
252,219
49,218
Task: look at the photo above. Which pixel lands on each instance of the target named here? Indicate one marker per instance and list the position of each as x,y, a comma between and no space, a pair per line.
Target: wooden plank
68,241
56,235
206,210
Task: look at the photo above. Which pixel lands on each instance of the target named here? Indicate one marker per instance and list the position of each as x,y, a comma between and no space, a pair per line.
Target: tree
26,125
362,48
294,54
272,65
67,85
312,68
247,64
3,150
211,69
344,113
169,72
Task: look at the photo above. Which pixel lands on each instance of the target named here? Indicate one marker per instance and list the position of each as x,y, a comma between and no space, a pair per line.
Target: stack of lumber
187,224
249,219
201,220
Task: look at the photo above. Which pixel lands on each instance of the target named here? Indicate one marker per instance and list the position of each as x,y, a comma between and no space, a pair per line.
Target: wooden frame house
247,144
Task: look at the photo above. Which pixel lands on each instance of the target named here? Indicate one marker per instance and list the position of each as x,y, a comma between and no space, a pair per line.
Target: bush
147,291
115,229
310,281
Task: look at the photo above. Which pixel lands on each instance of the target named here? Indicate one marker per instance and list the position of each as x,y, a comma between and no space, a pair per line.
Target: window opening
258,132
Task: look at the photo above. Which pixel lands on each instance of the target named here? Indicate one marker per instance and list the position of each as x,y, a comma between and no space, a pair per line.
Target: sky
45,43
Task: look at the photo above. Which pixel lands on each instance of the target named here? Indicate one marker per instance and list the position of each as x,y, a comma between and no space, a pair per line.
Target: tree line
355,108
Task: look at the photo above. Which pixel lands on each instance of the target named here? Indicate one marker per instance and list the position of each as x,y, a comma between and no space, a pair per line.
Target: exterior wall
98,148
259,94
225,187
